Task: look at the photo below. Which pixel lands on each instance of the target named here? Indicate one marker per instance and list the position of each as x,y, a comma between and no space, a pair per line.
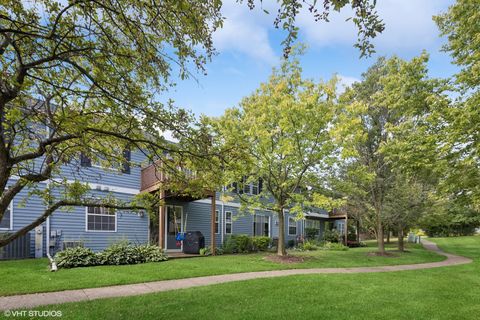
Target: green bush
311,233
244,243
116,254
76,257
150,253
207,251
260,243
309,246
238,243
334,246
331,236
290,243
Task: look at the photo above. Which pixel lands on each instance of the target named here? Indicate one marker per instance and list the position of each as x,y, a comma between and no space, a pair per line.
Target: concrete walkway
29,301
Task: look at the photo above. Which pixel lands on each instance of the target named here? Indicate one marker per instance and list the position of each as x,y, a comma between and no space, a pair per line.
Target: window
246,188
261,225
216,221
341,228
7,222
101,219
292,226
228,222
255,188
312,224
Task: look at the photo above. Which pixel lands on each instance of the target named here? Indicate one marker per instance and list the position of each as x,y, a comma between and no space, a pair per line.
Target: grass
440,293
28,276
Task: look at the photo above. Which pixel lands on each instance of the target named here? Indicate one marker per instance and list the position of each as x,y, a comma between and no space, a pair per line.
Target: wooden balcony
152,178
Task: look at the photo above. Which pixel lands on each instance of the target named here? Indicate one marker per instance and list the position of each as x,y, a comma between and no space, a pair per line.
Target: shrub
260,243
244,243
334,246
238,243
120,253
76,257
207,251
149,253
291,243
309,246
311,233
331,236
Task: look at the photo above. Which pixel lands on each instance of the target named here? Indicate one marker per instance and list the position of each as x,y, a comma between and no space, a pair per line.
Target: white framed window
216,222
228,222
255,188
7,220
101,219
292,226
341,228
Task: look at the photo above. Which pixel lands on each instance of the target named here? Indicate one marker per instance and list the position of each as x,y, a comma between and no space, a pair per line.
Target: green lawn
440,293
26,276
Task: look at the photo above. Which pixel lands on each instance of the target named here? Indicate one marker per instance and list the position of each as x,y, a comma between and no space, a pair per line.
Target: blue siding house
97,228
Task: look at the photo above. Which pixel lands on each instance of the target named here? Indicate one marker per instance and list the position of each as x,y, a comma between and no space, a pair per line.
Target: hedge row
116,254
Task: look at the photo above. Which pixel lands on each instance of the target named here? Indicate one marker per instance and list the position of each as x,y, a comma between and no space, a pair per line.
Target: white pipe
221,220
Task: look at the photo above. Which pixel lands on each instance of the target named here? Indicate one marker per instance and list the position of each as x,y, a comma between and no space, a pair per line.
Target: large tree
459,145
376,114
280,136
85,76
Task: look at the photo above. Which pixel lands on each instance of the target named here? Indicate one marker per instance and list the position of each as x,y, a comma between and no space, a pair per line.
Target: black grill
193,242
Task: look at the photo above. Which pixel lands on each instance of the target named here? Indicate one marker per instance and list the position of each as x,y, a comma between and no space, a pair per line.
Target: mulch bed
284,259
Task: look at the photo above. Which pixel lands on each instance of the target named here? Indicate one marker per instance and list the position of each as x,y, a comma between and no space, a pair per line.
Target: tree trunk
388,236
401,245
380,235
281,234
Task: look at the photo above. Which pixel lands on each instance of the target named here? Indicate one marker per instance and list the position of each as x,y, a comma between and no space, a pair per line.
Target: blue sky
249,46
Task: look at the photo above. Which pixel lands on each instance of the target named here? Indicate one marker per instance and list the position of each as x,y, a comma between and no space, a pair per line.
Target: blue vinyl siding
72,226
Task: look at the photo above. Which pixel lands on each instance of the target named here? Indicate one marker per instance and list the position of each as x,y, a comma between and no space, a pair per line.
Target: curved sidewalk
28,301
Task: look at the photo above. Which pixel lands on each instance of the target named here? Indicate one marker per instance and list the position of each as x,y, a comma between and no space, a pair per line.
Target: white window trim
11,218
109,231
296,227
231,222
217,221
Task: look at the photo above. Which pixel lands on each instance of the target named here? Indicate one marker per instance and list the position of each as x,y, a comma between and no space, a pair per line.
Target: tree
80,78
280,136
376,114
405,203
458,148
83,77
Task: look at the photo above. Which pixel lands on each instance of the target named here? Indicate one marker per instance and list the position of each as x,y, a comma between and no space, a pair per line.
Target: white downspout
221,221
53,264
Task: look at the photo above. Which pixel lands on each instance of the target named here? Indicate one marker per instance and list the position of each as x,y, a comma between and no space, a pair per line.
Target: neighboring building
98,228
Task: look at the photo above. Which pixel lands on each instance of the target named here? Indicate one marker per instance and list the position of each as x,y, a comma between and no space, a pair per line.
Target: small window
255,189
216,221
228,222
292,226
6,222
246,188
101,219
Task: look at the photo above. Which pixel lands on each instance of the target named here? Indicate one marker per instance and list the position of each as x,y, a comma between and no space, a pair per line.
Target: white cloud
408,26
346,81
245,32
